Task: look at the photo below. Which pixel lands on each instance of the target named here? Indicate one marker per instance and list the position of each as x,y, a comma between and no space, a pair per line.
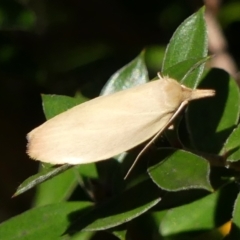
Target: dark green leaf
132,74
65,182
48,222
123,208
40,178
232,146
179,170
189,41
211,120
63,185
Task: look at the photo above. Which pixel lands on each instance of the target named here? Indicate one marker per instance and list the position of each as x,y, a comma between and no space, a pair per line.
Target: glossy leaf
48,222
211,120
40,178
132,74
232,146
189,41
122,208
182,70
180,170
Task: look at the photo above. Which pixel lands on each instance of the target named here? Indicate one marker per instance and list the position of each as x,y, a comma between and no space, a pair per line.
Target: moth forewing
109,125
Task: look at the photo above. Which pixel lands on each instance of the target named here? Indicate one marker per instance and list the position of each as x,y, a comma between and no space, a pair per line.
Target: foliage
191,184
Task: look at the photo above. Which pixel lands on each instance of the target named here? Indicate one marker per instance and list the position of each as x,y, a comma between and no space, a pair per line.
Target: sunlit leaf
179,170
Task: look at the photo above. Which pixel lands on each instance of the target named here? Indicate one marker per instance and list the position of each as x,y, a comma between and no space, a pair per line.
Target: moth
109,125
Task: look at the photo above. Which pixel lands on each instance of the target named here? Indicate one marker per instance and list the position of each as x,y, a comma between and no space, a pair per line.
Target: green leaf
48,222
210,121
56,104
132,74
65,182
119,232
122,208
232,146
63,185
189,41
235,229
182,70
180,170
40,178
198,216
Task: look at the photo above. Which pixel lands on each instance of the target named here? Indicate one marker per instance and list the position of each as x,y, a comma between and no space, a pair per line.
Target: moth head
192,94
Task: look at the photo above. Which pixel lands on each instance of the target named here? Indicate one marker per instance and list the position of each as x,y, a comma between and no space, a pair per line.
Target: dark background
65,46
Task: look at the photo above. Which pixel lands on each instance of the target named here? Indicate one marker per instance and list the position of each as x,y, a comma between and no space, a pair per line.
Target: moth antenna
183,104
